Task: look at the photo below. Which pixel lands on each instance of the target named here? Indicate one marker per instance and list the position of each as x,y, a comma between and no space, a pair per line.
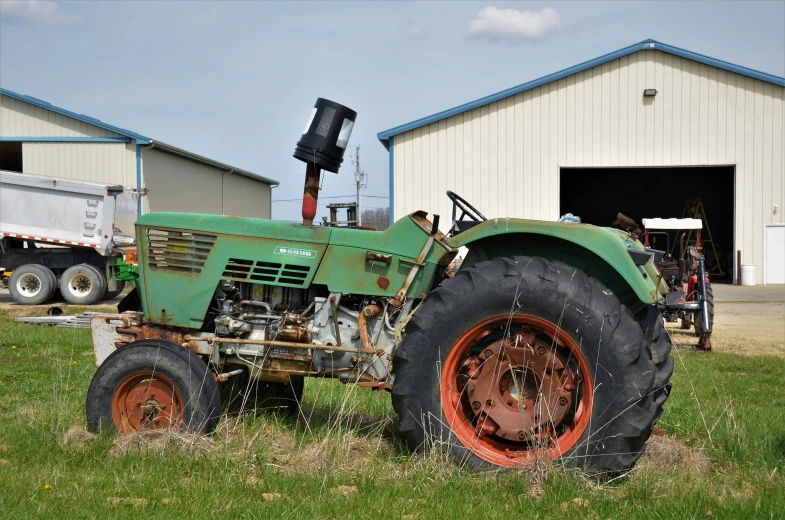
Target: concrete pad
748,293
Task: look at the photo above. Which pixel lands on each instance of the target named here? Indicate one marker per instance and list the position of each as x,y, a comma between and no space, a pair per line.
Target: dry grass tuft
342,453
344,491
665,453
77,438
158,441
536,491
136,502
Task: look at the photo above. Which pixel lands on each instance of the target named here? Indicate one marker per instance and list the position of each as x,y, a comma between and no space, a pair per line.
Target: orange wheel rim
516,389
146,401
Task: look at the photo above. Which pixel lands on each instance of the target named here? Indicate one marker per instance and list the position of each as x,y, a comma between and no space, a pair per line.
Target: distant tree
377,217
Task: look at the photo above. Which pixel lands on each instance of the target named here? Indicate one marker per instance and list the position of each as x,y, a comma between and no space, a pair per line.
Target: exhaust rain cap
326,135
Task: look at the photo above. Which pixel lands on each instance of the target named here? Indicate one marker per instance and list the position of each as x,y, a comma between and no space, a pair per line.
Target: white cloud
513,26
37,12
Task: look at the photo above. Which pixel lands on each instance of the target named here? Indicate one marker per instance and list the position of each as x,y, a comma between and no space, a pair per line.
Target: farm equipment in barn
546,344
690,297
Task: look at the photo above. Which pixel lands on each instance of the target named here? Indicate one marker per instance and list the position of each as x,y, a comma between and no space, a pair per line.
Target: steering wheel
467,210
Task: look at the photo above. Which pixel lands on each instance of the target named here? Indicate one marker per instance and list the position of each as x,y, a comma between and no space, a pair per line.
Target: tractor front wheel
520,360
153,384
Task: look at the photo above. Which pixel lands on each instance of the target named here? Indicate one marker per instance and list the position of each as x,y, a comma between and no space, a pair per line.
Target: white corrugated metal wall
18,118
506,155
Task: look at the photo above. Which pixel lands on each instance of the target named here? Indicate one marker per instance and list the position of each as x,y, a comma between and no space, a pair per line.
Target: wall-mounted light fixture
650,92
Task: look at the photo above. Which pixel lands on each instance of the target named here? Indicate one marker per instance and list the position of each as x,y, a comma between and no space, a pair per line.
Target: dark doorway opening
598,194
11,157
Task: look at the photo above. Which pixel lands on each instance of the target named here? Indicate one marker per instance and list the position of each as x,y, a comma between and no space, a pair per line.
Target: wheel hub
29,283
518,388
80,284
146,401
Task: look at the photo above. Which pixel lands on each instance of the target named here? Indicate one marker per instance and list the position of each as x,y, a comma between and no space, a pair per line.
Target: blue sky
235,81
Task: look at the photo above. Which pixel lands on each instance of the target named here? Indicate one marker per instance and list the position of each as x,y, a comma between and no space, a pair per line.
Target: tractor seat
459,226
658,254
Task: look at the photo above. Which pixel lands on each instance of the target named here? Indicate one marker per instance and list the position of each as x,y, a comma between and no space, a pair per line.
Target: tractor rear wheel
153,384
243,395
520,360
658,345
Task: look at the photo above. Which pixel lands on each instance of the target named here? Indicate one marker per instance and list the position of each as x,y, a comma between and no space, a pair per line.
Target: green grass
730,408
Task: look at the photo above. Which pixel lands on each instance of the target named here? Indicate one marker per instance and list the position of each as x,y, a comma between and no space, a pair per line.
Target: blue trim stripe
139,179
392,182
644,45
81,117
65,139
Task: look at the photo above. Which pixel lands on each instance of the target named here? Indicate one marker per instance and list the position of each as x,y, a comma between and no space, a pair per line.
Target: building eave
637,47
174,150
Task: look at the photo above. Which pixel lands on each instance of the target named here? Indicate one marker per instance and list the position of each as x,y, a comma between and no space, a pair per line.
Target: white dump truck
58,234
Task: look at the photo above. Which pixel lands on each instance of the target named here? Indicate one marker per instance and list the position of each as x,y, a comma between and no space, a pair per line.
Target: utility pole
359,177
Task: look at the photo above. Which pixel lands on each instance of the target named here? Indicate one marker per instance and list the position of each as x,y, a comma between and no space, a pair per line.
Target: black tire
658,345
240,395
187,372
32,284
624,409
82,284
699,314
111,295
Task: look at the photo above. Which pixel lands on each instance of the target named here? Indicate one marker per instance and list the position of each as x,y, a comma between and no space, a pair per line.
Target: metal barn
645,131
39,138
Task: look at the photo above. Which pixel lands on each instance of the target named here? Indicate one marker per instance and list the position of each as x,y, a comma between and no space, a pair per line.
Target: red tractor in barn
690,297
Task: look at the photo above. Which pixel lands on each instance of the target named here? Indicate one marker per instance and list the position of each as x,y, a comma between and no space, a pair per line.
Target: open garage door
598,194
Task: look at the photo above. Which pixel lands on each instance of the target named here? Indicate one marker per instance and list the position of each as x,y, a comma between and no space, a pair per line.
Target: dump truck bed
56,211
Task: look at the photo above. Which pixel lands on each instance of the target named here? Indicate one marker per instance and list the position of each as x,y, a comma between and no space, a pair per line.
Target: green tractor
545,344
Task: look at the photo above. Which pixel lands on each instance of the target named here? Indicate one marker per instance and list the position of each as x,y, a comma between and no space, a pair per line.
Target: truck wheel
32,284
111,295
520,360
82,284
241,395
699,315
153,384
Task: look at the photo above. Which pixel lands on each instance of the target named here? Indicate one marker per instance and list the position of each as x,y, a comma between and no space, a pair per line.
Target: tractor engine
277,331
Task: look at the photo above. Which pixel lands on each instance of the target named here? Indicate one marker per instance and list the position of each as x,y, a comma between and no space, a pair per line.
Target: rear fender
595,251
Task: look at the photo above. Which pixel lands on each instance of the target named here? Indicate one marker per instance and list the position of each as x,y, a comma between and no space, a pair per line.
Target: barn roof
641,46
139,138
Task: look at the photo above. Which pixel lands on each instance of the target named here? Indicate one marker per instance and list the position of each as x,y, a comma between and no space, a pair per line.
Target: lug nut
489,403
476,405
562,401
541,351
488,353
521,435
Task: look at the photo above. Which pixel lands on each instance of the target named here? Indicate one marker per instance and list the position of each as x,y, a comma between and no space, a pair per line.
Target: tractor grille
180,251
259,272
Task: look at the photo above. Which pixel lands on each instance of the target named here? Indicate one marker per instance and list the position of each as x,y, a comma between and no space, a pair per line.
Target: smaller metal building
39,138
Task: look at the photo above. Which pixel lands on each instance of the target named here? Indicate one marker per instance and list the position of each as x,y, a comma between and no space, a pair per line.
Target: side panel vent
271,272
180,251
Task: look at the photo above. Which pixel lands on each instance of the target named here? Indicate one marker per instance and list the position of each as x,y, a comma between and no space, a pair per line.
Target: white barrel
747,275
